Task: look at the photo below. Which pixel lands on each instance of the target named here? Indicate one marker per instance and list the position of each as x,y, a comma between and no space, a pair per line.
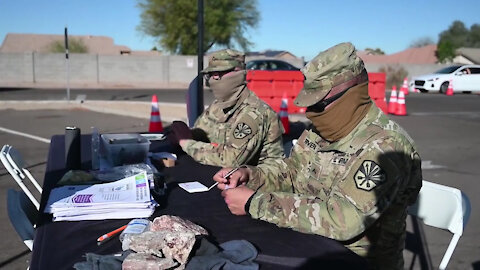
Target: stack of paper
126,198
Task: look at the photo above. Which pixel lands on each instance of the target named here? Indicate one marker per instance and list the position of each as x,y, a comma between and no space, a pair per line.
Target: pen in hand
226,176
102,239
231,172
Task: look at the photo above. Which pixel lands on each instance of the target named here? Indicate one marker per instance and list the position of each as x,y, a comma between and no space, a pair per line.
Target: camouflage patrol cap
328,69
224,60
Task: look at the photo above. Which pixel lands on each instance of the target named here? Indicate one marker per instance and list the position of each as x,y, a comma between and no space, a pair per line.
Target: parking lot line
24,135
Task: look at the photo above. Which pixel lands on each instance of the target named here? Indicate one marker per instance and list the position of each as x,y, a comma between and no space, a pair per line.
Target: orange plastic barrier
270,86
376,89
289,81
260,82
376,85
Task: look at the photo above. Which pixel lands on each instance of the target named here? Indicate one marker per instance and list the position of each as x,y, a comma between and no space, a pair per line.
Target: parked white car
464,78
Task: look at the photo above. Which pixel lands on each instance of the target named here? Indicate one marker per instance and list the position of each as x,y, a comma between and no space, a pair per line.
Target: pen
216,183
231,172
109,235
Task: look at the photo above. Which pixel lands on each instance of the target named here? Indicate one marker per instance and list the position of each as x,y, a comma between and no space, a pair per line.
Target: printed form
126,198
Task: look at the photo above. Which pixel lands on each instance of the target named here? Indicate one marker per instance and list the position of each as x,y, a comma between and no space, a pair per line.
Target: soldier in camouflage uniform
351,178
241,128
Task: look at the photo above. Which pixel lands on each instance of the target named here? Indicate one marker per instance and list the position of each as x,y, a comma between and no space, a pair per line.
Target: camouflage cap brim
307,98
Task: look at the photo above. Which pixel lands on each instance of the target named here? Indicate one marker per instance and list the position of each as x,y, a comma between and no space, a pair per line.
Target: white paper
195,186
126,198
130,214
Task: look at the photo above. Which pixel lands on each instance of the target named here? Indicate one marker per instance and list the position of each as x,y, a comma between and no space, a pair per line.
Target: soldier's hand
236,198
179,131
237,178
182,143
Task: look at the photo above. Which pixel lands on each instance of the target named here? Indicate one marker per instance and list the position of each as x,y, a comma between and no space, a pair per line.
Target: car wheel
423,91
444,87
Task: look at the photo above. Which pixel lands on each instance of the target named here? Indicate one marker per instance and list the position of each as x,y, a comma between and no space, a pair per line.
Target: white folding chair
445,208
15,165
23,215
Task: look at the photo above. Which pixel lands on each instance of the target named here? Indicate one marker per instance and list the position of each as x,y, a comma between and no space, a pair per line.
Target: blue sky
303,27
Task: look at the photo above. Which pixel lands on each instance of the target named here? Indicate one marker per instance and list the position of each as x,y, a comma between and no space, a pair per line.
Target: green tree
395,75
376,51
456,36
74,46
445,51
474,37
174,23
423,41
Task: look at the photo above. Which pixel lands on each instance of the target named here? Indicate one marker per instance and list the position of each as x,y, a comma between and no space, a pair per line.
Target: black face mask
322,104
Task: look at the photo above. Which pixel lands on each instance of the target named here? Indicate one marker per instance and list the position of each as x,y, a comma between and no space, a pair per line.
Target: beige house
18,43
467,56
422,55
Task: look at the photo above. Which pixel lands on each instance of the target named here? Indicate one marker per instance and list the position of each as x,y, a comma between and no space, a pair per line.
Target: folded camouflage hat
328,69
224,60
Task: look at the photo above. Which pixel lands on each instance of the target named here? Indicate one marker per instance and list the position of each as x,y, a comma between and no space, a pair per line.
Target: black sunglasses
322,104
207,76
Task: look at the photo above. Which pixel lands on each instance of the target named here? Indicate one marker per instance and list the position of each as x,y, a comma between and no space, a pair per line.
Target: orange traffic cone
155,122
449,89
401,107
284,113
392,103
404,88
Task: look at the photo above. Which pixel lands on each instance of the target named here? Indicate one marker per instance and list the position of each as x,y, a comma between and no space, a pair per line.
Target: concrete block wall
88,70
132,71
52,68
183,68
128,69
16,67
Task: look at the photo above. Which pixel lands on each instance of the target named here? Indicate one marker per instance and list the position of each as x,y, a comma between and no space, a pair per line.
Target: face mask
228,85
343,116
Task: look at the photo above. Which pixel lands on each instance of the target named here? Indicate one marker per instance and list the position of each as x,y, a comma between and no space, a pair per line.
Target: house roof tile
422,55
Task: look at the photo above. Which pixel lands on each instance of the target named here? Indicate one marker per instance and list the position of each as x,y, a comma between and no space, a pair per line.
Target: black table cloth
58,245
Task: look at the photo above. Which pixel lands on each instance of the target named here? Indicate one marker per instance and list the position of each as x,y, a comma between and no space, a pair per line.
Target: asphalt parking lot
445,130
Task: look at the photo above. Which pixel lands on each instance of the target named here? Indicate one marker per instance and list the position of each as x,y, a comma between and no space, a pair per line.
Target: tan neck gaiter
228,87
343,115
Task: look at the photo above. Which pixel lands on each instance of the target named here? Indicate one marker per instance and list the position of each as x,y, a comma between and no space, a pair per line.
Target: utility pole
200,57
67,64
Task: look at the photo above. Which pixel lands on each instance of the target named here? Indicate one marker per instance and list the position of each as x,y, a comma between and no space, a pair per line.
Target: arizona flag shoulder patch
369,175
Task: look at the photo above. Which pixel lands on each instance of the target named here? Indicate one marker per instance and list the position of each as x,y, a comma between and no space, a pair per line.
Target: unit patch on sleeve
242,130
369,176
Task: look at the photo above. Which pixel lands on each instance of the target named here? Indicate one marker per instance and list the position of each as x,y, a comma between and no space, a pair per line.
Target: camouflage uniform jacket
249,133
355,190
